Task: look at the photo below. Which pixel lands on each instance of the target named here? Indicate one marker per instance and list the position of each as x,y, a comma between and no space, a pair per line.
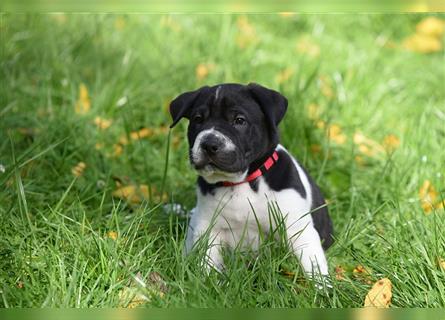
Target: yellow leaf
203,69
78,169
142,133
170,23
335,134
339,272
132,193
431,26
380,294
286,14
119,23
428,196
313,111
325,86
441,263
361,273
117,150
284,75
83,104
391,142
131,297
367,146
422,43
307,46
112,235
102,123
247,34
98,146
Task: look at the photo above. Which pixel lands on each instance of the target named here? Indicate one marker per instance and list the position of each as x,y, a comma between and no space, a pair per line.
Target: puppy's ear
272,103
182,105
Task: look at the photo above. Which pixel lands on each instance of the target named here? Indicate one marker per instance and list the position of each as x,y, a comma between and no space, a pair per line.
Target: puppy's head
231,125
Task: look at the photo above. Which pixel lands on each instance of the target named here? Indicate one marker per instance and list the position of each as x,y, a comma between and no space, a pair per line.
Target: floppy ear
181,106
272,103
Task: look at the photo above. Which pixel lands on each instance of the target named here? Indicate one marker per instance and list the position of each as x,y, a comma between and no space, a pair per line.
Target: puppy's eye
198,118
240,121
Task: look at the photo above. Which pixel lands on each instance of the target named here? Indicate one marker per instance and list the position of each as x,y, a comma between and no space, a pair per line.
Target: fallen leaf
391,143
117,150
339,272
20,285
78,169
431,26
422,43
441,263
380,294
247,34
325,85
112,235
119,23
139,292
428,197
132,193
142,133
361,273
286,14
313,111
131,297
284,75
203,69
368,146
102,123
335,134
170,23
83,104
307,46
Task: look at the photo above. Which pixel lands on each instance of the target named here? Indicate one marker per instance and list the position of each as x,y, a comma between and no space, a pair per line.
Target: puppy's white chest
238,213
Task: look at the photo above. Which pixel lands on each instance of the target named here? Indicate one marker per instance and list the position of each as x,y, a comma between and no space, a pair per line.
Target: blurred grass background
83,145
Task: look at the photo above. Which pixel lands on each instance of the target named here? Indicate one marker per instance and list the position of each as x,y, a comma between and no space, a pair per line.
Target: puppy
242,168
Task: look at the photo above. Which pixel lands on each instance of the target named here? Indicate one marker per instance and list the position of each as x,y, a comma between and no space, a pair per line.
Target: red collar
257,173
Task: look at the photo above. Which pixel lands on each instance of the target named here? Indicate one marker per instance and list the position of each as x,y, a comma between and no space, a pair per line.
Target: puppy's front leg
306,245
213,257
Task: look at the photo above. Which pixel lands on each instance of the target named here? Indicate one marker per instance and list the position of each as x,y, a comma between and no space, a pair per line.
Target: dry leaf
78,169
247,34
431,26
170,23
83,104
441,263
339,272
119,23
117,150
284,75
313,111
102,123
307,46
132,193
286,14
362,274
367,146
203,69
428,197
325,86
380,294
391,143
422,43
112,235
335,134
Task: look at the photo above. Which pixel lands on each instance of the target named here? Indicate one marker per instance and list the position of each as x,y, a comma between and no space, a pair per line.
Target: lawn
92,216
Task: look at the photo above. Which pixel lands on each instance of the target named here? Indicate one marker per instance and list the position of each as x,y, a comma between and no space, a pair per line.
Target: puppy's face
230,126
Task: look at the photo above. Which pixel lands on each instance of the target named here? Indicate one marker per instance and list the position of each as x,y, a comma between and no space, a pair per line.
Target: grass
56,249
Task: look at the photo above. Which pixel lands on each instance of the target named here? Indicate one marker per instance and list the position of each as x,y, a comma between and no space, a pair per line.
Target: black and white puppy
234,148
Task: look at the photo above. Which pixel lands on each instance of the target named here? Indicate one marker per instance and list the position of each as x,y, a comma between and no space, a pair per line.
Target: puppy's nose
211,145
